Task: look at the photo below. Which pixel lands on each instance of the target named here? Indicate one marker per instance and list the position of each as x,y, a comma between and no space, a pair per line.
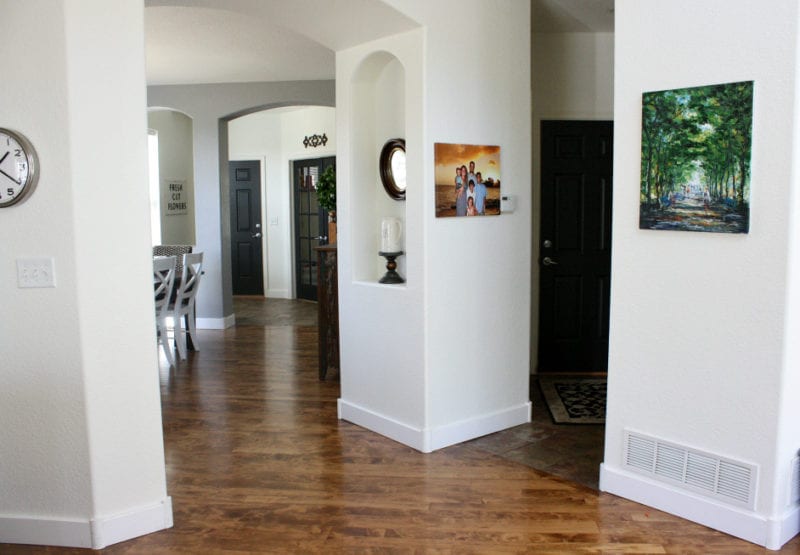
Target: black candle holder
391,275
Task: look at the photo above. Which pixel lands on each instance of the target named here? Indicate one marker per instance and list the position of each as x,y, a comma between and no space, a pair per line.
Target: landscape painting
467,180
696,145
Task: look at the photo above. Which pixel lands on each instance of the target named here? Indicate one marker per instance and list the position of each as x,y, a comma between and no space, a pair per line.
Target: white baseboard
427,440
93,534
478,426
38,531
782,530
135,523
378,423
741,523
278,294
216,323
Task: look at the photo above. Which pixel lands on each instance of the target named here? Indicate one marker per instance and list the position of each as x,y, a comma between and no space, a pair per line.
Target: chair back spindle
183,309
163,283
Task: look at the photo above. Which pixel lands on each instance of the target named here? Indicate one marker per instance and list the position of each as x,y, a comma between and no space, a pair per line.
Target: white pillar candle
391,235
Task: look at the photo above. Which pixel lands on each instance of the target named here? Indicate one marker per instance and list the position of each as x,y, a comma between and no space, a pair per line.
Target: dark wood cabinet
328,302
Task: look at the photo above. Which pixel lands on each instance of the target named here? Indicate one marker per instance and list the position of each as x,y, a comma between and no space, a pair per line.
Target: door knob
256,235
547,243
547,261
321,238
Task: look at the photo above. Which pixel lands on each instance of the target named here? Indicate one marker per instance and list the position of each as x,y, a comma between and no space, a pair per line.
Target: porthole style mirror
393,168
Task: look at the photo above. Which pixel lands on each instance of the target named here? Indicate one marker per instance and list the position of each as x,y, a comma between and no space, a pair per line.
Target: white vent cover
705,473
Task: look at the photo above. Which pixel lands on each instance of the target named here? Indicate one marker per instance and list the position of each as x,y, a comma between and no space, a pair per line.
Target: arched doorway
269,141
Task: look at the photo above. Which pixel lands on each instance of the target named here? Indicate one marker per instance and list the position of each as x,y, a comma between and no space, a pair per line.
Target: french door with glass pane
310,224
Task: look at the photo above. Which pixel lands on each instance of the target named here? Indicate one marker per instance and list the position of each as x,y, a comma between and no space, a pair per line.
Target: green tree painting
696,146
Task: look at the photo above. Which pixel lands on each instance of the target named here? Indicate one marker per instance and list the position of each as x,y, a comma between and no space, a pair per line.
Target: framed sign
175,200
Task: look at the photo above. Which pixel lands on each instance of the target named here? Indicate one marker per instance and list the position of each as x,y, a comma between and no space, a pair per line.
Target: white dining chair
173,250
183,309
163,283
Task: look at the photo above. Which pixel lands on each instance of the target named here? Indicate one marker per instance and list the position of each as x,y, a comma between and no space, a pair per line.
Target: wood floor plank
257,462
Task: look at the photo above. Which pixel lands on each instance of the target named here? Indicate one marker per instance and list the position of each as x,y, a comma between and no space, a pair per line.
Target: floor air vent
713,476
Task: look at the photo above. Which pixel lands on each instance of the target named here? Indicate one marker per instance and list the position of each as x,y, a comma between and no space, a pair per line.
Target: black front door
310,224
246,233
575,247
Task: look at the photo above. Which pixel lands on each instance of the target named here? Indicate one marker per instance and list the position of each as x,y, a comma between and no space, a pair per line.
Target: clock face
17,167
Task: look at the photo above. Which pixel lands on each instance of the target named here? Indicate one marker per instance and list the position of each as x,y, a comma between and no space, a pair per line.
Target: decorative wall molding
315,140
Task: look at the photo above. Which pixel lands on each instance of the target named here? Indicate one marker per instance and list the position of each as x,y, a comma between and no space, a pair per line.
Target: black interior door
310,224
575,248
246,233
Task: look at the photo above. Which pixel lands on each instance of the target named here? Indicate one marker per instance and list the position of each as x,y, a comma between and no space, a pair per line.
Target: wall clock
19,167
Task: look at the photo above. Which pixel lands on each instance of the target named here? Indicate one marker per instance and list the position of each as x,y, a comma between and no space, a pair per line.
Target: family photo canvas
467,180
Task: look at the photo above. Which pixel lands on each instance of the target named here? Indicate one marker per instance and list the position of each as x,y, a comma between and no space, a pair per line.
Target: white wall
82,451
175,162
477,276
572,79
573,75
210,107
700,349
445,357
382,329
274,137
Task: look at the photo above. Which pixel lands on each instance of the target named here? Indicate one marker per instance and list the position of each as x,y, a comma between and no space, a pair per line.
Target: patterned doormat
575,400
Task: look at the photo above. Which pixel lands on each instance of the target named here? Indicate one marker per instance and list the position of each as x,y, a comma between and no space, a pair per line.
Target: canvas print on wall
696,145
467,180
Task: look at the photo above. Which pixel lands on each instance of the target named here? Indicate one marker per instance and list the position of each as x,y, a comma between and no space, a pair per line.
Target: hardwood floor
257,462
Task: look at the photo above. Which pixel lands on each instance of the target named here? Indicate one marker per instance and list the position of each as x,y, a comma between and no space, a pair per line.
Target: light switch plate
36,272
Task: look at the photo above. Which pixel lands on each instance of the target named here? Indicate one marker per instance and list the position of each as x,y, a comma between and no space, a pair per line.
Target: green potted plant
326,197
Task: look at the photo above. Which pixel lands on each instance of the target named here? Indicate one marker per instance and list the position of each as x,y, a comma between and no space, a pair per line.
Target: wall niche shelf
378,109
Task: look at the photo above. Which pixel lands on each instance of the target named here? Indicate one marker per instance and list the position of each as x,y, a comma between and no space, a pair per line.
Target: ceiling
235,41
572,16
224,41
207,45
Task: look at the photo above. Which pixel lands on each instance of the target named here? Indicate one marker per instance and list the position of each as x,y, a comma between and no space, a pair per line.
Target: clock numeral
17,152
10,192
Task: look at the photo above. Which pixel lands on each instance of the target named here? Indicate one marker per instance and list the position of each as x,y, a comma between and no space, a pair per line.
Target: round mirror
393,168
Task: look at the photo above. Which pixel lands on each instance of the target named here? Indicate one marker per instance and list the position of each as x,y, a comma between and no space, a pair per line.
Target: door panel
575,252
246,233
310,224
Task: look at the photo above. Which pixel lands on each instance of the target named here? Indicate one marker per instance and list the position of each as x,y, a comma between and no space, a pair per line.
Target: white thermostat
508,203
